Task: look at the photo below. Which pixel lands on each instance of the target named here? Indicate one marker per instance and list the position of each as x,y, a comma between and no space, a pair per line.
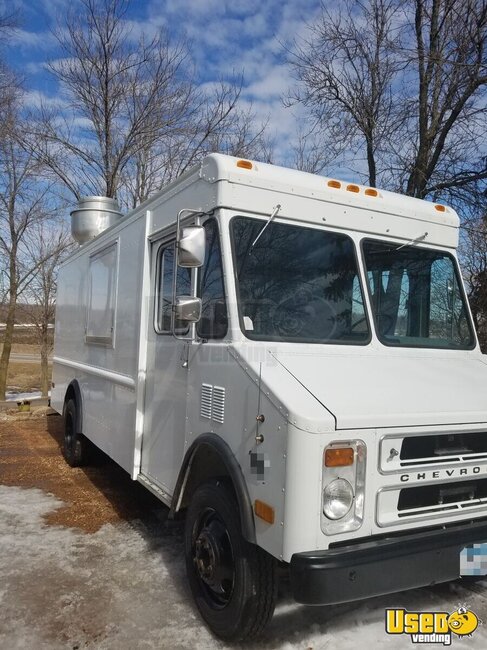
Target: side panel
106,373
232,416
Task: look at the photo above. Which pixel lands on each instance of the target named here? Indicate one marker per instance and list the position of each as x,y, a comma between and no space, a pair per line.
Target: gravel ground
88,559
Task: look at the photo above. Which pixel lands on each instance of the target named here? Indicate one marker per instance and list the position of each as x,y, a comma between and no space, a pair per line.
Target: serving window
100,321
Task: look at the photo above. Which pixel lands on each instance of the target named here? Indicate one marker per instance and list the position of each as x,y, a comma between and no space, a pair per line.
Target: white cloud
30,39
36,99
274,84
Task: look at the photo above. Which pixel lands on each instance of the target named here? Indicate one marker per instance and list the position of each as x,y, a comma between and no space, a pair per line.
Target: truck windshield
416,297
297,284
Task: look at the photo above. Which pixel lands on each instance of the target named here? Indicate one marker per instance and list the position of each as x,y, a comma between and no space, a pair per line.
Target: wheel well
210,457
205,464
70,394
73,392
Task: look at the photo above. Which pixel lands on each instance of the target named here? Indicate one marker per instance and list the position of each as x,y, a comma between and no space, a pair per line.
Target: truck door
166,384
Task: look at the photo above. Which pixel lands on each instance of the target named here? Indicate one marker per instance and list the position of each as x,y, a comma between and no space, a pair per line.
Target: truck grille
431,476
441,497
441,449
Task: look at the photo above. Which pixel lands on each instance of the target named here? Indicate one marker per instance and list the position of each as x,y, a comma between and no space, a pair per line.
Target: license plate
473,560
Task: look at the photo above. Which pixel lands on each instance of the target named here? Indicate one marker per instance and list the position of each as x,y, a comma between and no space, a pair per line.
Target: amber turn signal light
339,457
264,511
336,184
245,164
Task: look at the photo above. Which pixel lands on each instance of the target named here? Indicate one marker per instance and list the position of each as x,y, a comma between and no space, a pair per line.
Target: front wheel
233,582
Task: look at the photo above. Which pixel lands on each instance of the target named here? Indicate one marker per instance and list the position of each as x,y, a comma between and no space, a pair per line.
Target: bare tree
132,116
409,79
473,248
22,206
47,244
215,123
118,92
313,152
347,65
449,105
9,83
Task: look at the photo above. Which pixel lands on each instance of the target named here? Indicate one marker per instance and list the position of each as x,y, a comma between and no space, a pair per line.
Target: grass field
23,376
24,336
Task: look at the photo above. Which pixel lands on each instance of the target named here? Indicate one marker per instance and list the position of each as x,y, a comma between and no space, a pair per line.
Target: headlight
337,498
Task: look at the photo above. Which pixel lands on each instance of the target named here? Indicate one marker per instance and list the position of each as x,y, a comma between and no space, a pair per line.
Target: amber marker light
371,192
353,188
440,208
336,184
339,457
264,511
244,164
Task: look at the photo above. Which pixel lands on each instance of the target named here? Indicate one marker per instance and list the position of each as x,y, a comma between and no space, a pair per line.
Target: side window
100,320
214,319
165,262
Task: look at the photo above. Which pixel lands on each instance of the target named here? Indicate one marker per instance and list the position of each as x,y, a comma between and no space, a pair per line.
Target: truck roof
248,186
216,167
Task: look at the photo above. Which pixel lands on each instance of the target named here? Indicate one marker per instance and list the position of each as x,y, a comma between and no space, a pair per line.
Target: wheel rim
213,558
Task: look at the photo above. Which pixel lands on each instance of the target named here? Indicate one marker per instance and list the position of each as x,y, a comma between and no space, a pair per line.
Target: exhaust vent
92,216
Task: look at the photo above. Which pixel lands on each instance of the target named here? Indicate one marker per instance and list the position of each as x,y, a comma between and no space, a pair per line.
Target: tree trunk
371,163
45,348
44,373
7,346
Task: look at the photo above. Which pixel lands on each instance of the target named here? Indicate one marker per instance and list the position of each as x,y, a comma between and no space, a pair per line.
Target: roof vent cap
92,215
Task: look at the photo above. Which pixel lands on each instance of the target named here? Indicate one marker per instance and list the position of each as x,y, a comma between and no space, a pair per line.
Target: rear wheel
76,447
233,582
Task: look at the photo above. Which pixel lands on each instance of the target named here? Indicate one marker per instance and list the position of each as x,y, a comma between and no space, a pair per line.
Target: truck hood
374,391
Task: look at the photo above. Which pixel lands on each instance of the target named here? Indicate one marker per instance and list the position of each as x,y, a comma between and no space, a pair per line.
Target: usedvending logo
432,627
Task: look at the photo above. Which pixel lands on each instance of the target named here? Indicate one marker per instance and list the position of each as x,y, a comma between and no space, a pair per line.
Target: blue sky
226,38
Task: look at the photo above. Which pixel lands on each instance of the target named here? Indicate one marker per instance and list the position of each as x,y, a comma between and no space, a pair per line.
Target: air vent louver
212,405
206,400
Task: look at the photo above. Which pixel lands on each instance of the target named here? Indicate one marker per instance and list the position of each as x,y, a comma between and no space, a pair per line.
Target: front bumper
382,566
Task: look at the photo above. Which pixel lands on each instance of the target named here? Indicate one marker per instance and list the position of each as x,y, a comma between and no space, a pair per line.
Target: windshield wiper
274,213
413,241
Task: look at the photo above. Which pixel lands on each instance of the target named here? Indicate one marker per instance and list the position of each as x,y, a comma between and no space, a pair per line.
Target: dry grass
25,336
93,496
24,376
25,348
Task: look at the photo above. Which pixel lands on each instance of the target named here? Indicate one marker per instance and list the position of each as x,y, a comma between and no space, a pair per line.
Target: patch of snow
12,396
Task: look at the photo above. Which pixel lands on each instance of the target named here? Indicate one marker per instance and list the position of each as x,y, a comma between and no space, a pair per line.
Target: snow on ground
11,396
124,588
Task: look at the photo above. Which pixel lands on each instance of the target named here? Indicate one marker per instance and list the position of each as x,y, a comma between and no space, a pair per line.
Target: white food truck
291,360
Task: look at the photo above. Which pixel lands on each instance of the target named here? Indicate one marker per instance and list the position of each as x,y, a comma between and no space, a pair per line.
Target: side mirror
187,309
191,247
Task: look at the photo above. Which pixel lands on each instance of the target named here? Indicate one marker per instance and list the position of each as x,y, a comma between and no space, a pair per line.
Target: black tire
76,448
234,583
